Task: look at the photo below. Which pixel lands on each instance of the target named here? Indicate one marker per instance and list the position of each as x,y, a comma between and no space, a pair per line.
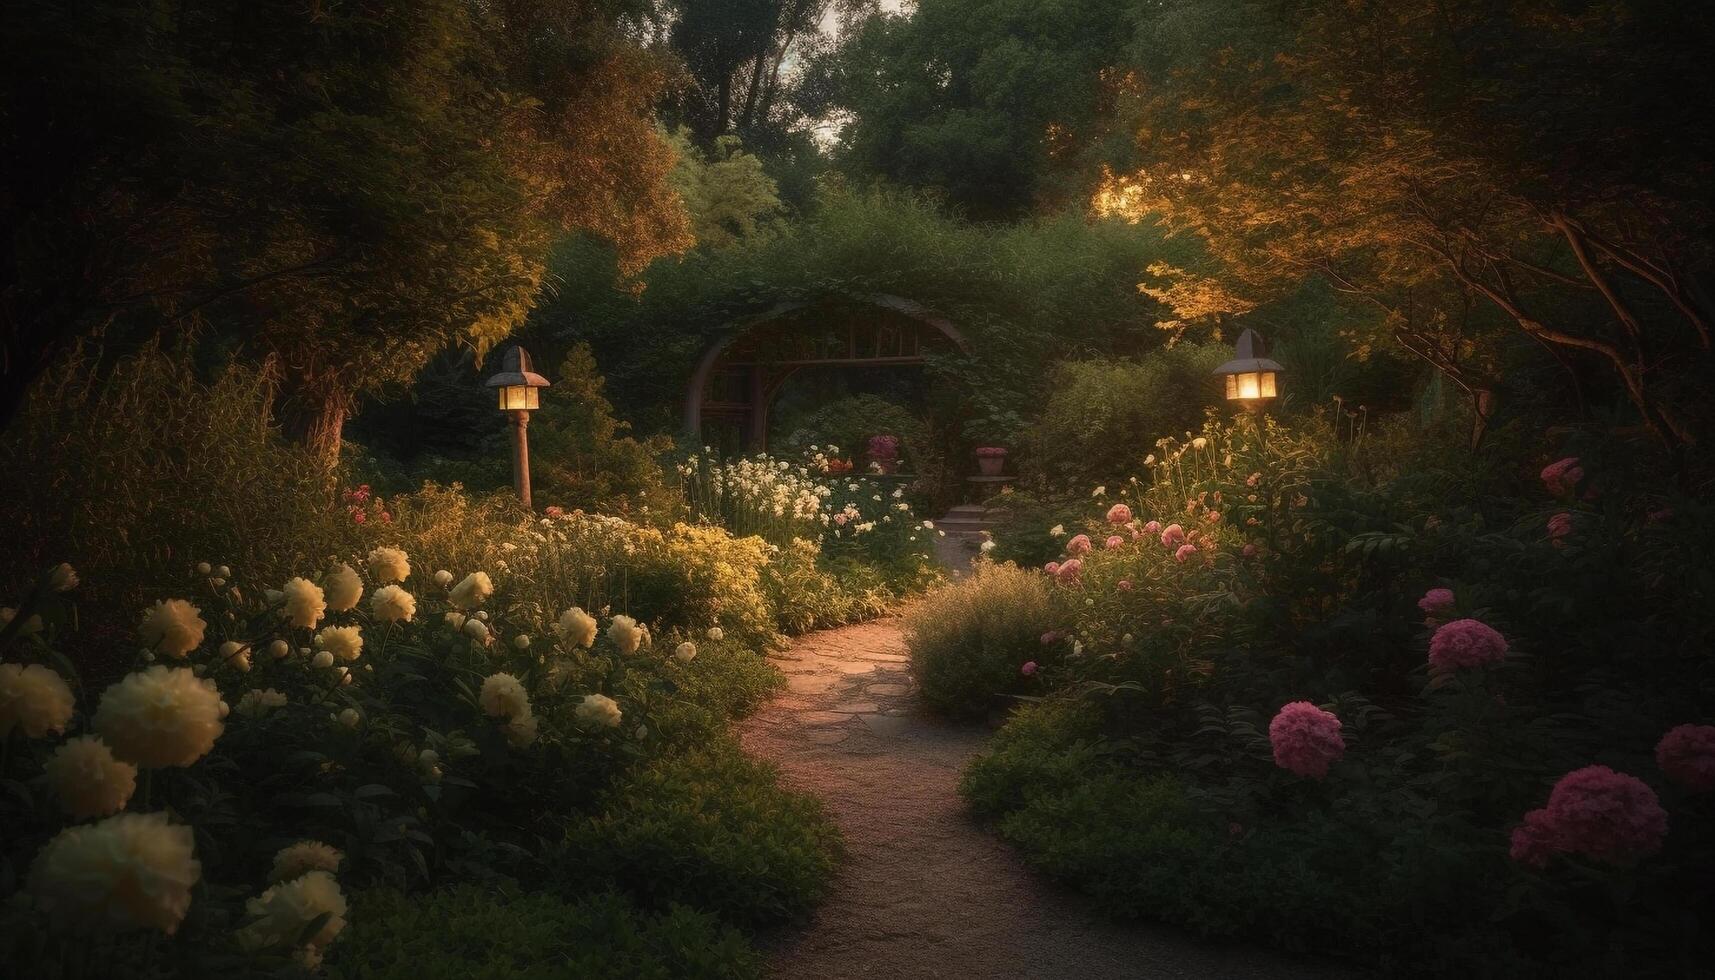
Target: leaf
373,791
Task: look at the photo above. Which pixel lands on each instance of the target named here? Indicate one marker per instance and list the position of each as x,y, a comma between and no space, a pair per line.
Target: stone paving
924,892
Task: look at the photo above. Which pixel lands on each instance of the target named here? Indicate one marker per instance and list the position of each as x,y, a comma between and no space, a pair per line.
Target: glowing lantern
518,385
1251,377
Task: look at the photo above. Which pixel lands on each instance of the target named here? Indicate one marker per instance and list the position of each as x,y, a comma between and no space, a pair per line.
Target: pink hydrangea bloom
1172,536
1534,841
1466,643
1562,477
1686,755
1437,603
1124,585
1114,541
1078,545
1306,739
1184,551
1069,571
1606,815
1028,669
1559,526
1250,551
1119,514
1153,527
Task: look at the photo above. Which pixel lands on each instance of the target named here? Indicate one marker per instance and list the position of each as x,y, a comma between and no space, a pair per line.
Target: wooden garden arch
739,375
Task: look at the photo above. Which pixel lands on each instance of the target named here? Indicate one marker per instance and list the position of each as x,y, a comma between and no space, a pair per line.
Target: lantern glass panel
515,398
1249,386
1268,384
1232,386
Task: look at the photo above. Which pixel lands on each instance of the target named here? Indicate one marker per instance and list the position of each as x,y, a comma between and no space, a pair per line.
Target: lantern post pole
521,455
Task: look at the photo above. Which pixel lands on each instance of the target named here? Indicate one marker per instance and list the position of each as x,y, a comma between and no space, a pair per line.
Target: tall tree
986,101
1541,159
342,189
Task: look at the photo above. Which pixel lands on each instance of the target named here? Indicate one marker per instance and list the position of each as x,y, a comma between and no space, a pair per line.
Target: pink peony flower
1069,571
1213,517
1253,479
1051,637
1172,536
1052,568
1436,603
553,511
1185,551
1113,541
1606,815
1306,739
1562,476
1559,526
1124,585
1079,545
1028,669
1153,527
1119,514
1250,551
1465,643
1534,842
1686,755
840,519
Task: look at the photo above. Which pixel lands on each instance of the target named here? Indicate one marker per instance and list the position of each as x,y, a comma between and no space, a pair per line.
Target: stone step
972,510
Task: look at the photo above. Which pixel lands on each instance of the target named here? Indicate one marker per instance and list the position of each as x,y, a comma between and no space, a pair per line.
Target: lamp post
1252,379
517,385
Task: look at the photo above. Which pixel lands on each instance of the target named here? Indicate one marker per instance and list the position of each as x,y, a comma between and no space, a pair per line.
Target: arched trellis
756,358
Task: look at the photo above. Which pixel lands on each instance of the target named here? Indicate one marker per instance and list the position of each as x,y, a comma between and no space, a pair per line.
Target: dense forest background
1497,212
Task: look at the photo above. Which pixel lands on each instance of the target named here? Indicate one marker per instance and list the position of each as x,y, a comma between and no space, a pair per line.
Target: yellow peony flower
471,590
453,619
577,627
33,699
282,913
87,780
389,565
521,731
173,627
131,871
717,634
235,654
160,716
344,642
503,697
279,649
256,704
443,578
391,604
304,602
343,587
598,711
625,634
323,658
476,629
297,860
686,652
350,718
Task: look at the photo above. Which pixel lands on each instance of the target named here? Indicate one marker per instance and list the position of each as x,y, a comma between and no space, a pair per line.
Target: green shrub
473,933
138,472
969,639
1103,417
710,828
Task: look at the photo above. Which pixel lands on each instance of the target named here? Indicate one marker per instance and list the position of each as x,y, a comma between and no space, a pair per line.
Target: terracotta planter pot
991,465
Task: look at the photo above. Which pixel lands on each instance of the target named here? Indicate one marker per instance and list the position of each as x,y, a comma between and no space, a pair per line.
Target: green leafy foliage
488,933
970,639
707,828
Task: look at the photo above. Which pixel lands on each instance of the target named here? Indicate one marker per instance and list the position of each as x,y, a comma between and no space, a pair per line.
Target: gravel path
924,892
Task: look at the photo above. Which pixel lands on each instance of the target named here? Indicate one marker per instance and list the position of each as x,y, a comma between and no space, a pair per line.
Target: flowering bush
420,744
1468,661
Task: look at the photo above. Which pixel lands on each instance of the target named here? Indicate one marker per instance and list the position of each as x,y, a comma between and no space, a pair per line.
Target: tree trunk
723,111
753,92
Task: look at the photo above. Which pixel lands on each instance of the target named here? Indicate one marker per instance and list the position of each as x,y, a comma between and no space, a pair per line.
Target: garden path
924,892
